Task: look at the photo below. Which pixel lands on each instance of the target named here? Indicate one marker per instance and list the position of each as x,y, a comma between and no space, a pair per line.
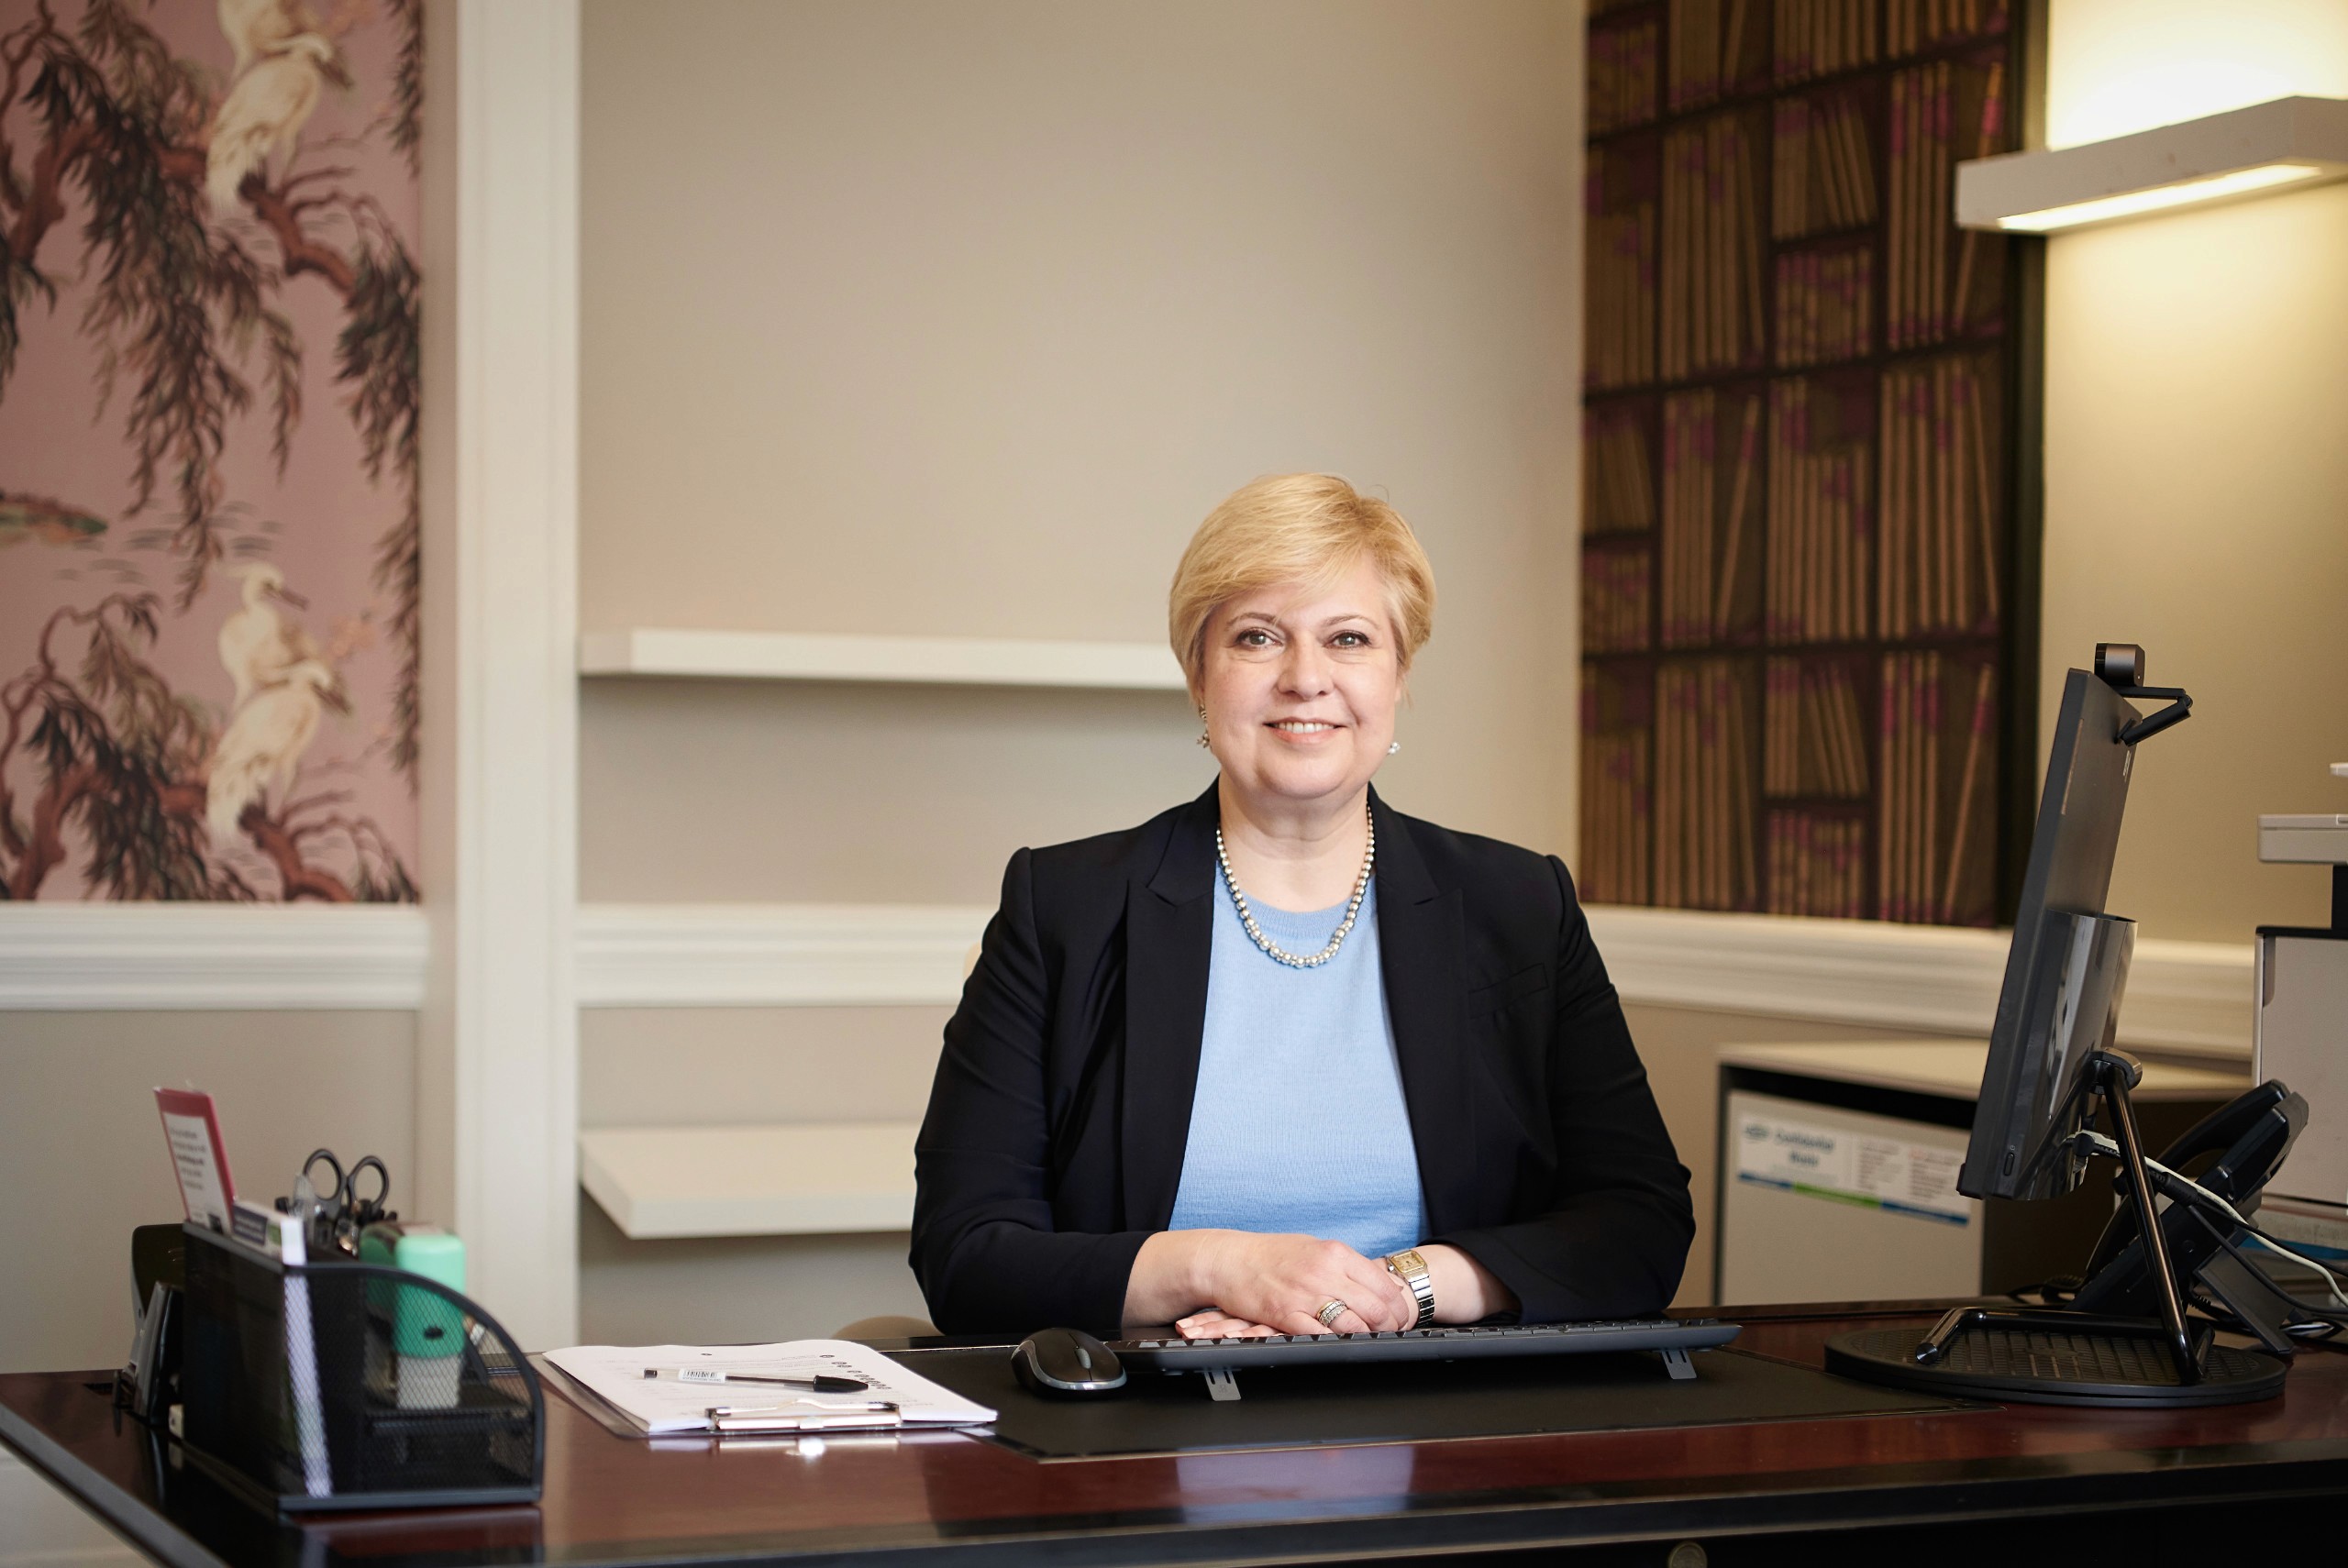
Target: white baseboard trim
661,955
124,958
2194,996
2182,996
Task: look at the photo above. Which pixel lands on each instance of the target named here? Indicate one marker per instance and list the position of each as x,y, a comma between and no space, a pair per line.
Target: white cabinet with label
1837,1171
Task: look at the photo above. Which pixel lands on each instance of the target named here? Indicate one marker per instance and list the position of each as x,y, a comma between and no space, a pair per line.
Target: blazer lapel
1170,938
1421,942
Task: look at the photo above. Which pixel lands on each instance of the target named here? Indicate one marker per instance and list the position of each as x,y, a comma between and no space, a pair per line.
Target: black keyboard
1680,1334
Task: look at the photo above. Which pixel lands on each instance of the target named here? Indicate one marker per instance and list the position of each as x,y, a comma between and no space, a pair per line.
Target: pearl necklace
1345,927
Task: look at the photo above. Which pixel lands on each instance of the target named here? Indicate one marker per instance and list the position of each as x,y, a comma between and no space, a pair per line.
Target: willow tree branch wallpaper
208,514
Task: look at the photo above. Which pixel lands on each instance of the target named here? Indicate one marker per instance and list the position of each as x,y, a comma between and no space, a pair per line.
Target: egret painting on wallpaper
208,515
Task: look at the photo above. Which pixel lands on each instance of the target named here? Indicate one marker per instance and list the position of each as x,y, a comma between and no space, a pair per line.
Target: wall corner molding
497,1046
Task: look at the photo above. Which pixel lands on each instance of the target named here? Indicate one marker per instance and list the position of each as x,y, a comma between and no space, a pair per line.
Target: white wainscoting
774,955
236,957
2182,996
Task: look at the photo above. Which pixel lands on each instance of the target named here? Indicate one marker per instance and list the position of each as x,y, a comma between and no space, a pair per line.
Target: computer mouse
1063,1361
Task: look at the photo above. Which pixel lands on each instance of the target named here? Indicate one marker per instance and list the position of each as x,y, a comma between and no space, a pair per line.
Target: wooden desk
1946,1487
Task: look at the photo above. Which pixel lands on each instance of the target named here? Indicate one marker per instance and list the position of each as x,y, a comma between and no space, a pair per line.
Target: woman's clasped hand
1276,1284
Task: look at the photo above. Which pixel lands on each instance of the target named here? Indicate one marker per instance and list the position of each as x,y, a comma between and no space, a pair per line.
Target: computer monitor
2067,964
2050,1067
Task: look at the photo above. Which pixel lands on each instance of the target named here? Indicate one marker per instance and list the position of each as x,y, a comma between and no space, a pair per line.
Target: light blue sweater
1298,1124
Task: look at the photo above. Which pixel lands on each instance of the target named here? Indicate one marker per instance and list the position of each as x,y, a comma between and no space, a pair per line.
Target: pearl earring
1393,747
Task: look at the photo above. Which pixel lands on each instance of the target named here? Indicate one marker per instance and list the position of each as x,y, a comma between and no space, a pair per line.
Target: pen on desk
821,1384
806,1421
804,1407
724,1418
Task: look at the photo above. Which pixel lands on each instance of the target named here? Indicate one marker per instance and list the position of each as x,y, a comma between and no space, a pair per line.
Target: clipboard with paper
718,1390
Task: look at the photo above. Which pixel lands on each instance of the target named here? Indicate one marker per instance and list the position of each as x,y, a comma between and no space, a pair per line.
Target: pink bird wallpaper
208,515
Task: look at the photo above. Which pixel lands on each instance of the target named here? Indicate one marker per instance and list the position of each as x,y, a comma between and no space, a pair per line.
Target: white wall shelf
2286,144
658,1182
937,661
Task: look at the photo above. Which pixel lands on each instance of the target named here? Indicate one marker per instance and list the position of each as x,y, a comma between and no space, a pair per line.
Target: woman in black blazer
1134,1048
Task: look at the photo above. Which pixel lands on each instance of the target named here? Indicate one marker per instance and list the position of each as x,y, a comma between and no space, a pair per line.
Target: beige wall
919,317
2117,66
702,1066
81,1157
2197,483
766,791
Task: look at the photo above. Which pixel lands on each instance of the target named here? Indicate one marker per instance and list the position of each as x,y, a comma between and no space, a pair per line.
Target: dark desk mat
1296,1408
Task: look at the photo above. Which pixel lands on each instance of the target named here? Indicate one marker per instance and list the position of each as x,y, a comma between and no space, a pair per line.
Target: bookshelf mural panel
1800,521
1623,182
1712,309
1617,783
1710,536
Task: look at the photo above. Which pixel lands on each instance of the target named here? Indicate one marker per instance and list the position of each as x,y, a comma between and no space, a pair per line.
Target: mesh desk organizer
348,1386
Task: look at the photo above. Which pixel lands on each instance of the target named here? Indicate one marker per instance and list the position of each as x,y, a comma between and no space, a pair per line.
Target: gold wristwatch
1409,1268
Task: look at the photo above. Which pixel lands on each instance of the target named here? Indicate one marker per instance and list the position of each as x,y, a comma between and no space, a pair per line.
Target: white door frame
497,1044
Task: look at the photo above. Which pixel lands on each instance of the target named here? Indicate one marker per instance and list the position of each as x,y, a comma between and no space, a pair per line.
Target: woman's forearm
1167,1277
1464,1291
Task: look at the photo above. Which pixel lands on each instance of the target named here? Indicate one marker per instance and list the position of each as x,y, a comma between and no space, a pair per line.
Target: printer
2301,1035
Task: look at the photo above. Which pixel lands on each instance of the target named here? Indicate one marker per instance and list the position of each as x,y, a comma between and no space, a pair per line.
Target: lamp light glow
2160,197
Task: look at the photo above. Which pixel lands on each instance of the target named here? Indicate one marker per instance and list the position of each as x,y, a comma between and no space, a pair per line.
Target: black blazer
1058,1122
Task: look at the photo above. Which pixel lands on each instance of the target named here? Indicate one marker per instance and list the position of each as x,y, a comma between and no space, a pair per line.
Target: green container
423,1324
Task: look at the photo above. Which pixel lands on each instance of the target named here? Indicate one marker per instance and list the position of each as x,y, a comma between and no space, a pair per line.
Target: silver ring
1331,1310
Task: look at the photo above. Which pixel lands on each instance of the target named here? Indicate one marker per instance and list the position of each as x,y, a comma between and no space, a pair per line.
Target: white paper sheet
663,1405
204,1186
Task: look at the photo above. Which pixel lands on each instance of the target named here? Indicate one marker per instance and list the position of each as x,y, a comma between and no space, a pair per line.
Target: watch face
1412,1269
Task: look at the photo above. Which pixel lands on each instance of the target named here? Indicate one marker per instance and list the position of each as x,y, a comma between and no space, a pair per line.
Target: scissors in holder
333,1215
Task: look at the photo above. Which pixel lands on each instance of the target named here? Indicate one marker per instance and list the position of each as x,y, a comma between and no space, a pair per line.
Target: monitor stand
2053,1356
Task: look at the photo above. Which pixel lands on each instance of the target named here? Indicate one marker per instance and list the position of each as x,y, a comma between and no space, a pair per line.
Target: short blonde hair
1309,528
